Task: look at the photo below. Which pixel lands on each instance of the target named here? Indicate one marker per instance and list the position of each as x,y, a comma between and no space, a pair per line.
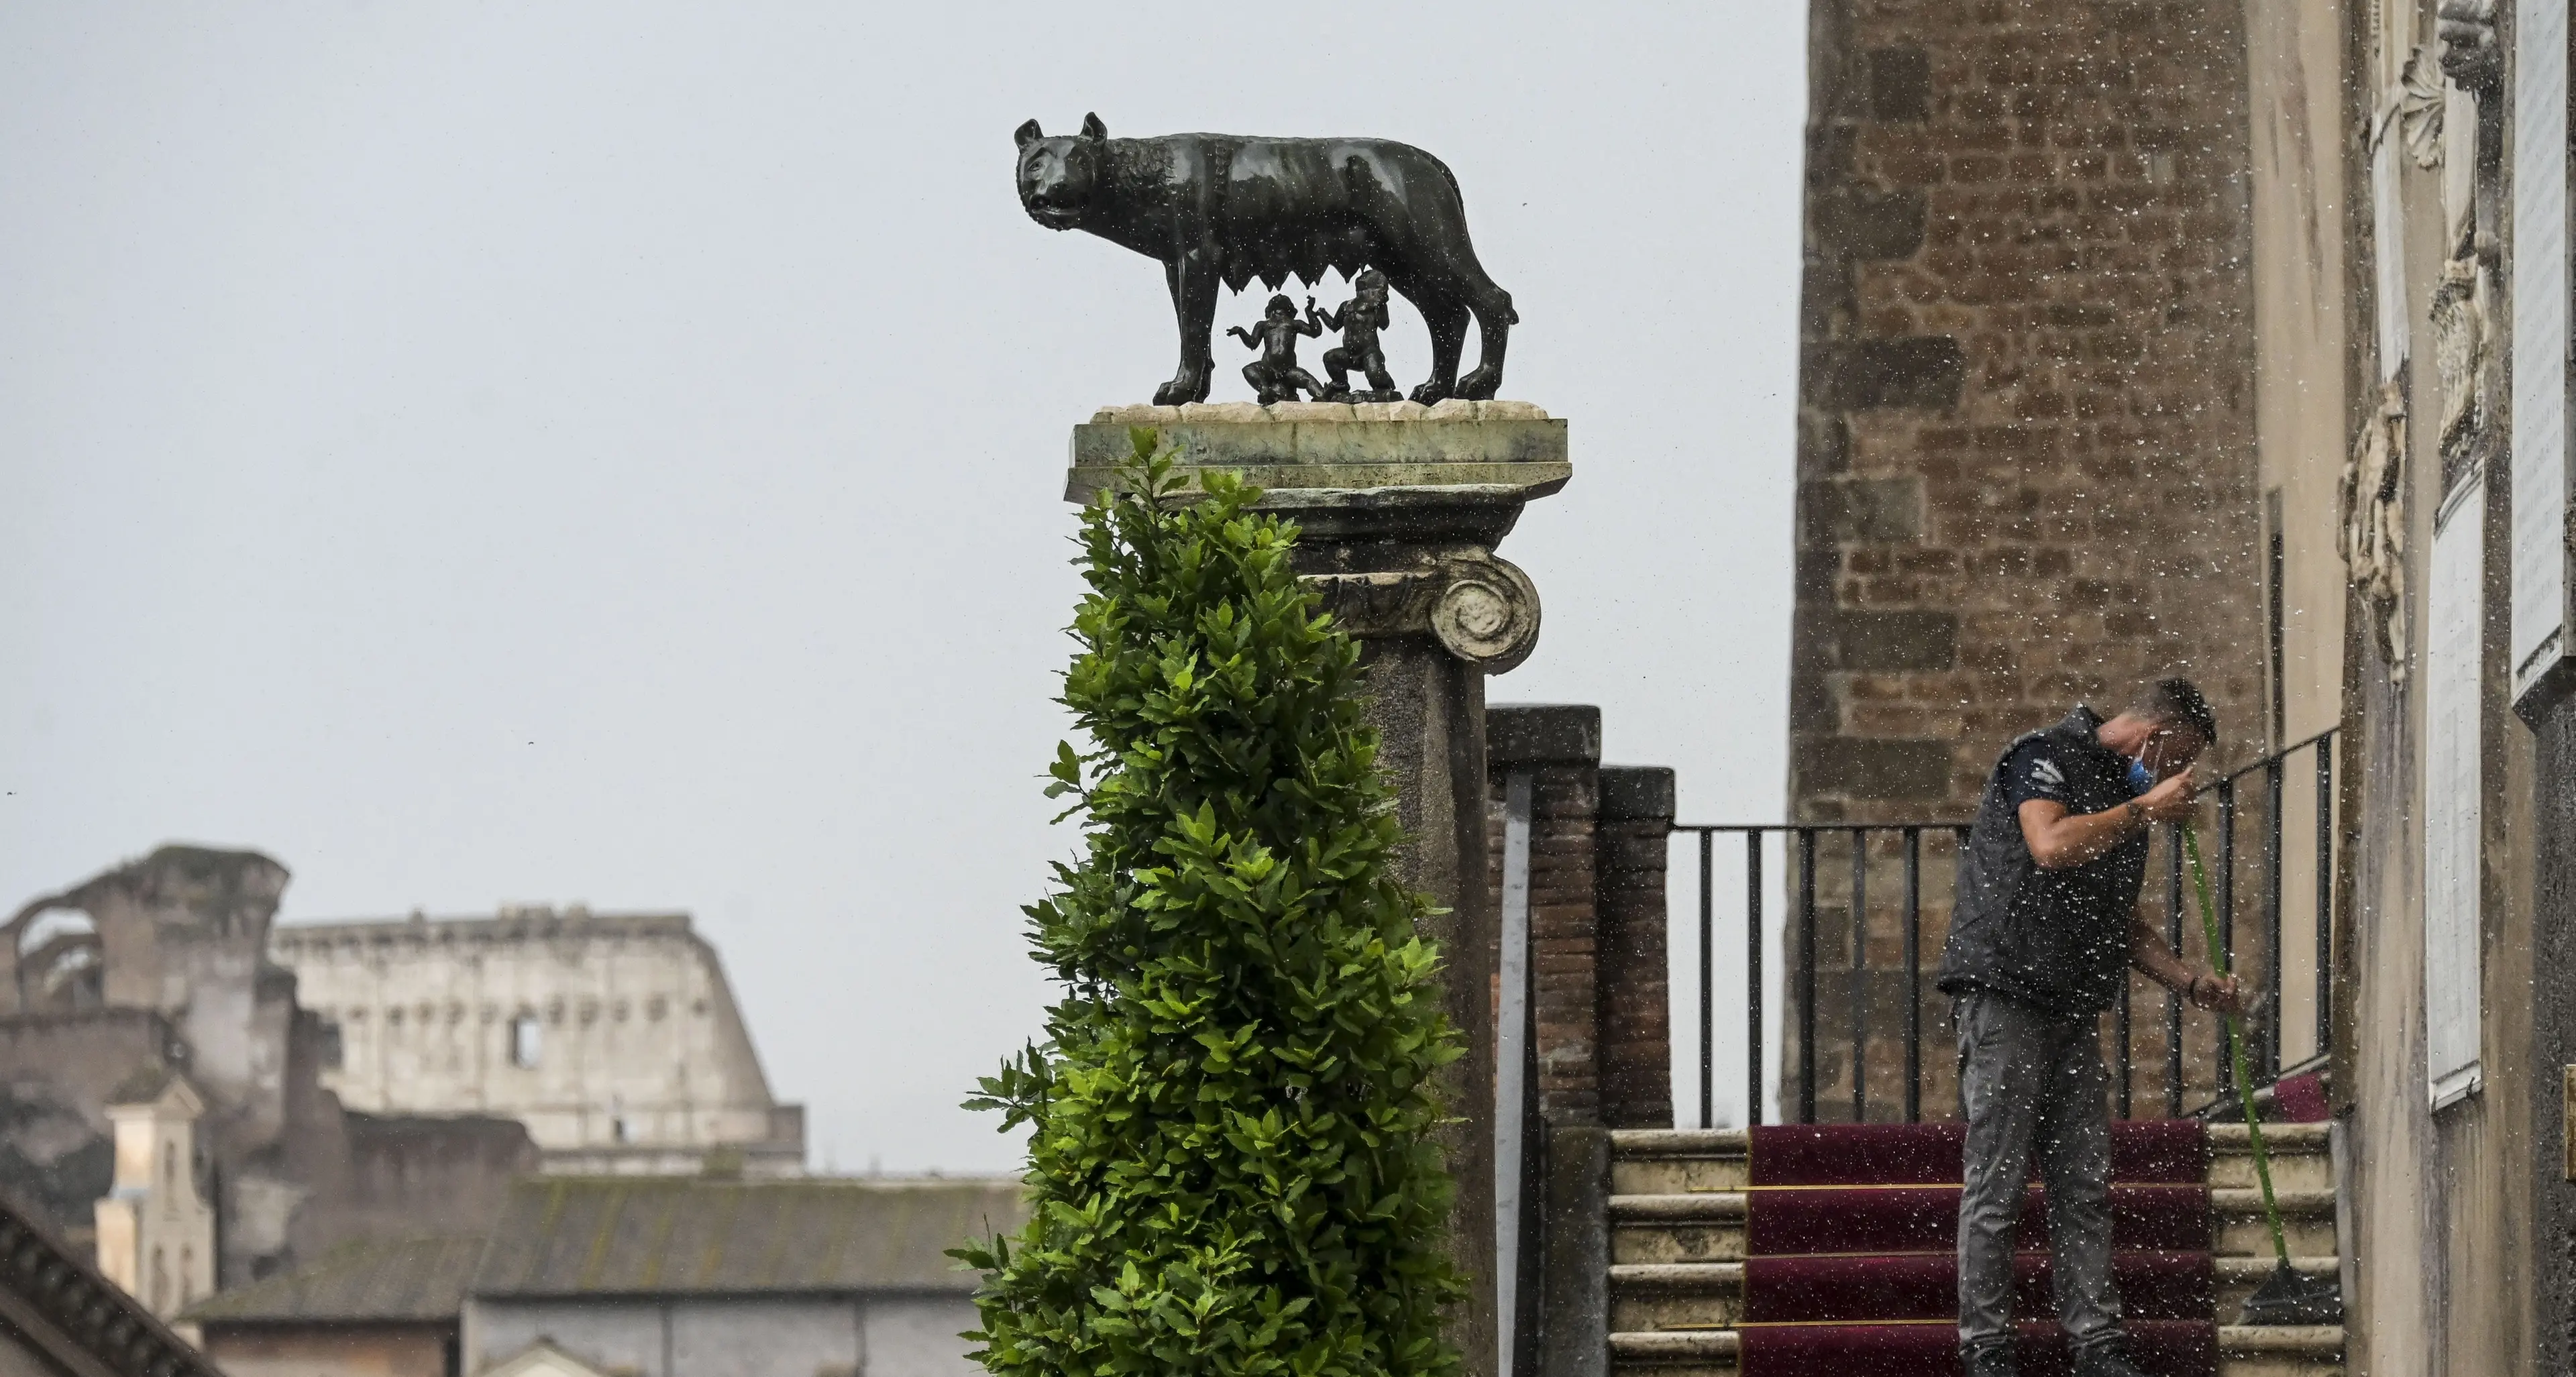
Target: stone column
1400,508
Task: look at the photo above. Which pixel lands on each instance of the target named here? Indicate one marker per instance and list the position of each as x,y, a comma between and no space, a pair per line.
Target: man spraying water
2045,930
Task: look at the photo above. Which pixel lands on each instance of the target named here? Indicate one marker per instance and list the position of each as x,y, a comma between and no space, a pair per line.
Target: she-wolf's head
1058,176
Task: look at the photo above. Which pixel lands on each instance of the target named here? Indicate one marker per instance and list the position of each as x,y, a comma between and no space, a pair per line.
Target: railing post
2120,1025
1860,972
1806,975
1517,1120
1913,975
2325,894
1958,857
2272,915
1753,977
2226,915
2173,999
1707,992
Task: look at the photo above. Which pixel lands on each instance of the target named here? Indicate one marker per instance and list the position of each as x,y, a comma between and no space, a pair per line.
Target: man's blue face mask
2140,779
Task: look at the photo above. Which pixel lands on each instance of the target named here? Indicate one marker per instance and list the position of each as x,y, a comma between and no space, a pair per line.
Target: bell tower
156,1234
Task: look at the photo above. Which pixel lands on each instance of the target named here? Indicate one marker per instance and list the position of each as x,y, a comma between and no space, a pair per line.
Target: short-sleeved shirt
2056,939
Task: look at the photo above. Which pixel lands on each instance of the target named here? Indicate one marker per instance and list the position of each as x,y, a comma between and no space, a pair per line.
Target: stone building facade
2026,462
691,1277
377,1308
156,1232
2455,1002
613,1037
156,971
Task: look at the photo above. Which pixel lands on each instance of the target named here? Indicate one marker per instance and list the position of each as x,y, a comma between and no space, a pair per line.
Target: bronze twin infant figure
1221,208
1275,376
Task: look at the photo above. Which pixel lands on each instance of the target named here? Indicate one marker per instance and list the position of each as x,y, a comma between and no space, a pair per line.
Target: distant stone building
156,1234
381,1308
639,1277
682,1277
145,1035
543,1359
613,1037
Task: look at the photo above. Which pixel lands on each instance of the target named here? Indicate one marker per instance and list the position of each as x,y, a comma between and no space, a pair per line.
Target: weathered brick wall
1565,798
1631,840
2025,445
1597,920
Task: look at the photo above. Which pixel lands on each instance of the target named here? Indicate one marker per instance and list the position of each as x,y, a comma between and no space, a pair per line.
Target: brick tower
2026,469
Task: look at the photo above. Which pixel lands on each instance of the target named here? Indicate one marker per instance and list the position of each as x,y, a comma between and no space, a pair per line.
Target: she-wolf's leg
1193,279
1446,316
1494,320
1444,265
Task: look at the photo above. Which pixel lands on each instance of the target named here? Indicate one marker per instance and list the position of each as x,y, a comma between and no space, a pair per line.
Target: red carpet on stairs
1925,1286
2167,1152
1851,1269
1932,1350
1794,1220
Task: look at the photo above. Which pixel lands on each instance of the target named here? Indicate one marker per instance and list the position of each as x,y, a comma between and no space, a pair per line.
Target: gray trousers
2032,1086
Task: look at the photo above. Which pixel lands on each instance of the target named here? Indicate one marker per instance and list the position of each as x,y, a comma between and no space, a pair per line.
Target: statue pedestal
1400,509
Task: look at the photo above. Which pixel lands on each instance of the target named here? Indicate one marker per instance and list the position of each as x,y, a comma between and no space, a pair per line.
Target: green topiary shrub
1232,1159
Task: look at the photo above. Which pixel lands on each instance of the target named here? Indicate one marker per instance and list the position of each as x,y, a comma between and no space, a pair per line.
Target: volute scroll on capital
1480,607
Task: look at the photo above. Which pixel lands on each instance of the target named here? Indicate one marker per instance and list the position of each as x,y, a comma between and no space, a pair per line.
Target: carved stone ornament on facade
2372,538
2459,321
2413,106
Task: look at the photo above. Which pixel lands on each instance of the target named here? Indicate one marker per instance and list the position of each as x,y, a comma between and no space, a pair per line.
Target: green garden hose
2235,1044
2288,1297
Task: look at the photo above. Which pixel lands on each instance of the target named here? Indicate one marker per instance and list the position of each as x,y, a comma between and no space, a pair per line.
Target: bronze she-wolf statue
1224,208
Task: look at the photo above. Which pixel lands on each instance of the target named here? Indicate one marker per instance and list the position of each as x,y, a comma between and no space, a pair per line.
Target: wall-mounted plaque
2540,344
2452,812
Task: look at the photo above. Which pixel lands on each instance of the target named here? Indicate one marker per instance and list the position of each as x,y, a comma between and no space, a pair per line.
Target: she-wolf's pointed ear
1092,128
1027,134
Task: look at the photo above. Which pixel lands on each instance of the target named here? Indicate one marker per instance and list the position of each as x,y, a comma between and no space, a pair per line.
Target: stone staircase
1679,1206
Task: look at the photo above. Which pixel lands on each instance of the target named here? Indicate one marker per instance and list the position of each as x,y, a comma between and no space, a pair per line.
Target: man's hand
2169,801
2219,994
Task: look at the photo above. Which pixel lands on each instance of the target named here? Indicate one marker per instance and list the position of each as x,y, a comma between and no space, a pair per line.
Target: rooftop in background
671,1235
396,1280
511,920
63,1316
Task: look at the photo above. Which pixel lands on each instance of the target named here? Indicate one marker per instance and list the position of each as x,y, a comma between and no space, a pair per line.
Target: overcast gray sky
612,452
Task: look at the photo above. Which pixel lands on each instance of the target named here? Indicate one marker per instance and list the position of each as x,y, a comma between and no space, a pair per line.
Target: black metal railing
1894,852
